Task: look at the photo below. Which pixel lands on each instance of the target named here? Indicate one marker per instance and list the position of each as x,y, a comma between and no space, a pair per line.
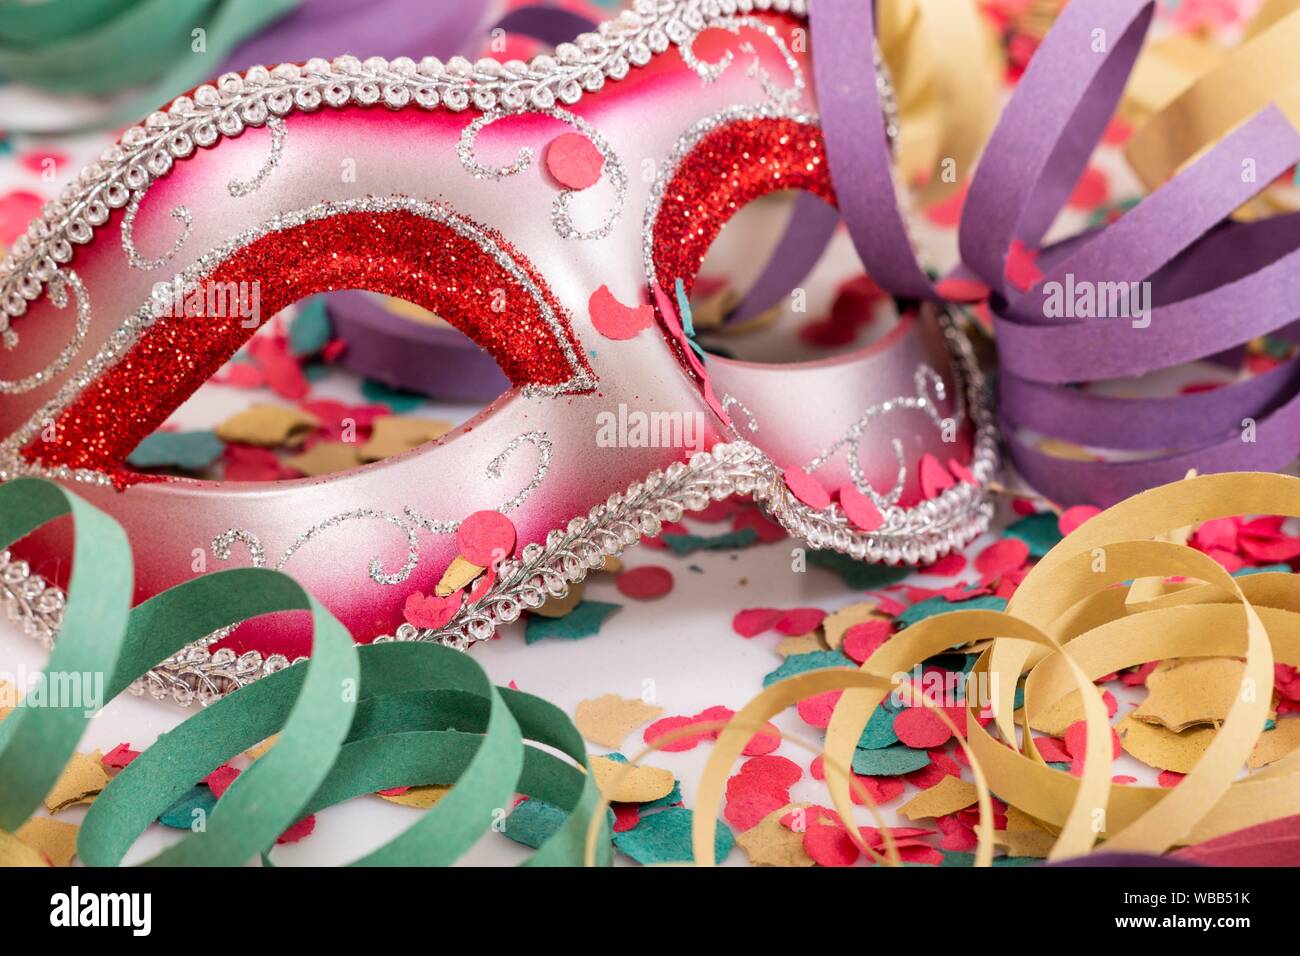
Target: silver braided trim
921,534
259,97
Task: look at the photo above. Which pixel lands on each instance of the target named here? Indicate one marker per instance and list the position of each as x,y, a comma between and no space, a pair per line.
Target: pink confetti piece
860,509
574,161
428,611
934,477
646,583
807,488
486,537
614,320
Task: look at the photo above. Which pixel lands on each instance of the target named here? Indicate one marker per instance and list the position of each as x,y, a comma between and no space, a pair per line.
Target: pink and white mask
547,211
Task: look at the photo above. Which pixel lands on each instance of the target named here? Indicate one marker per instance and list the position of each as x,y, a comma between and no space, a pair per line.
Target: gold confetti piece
1161,748
1275,744
801,644
268,426
1198,691
607,720
422,798
621,783
83,778
613,564
326,458
409,310
460,573
252,753
947,796
54,839
8,698
1059,448
560,606
836,624
770,843
1033,843
1057,718
395,434
14,852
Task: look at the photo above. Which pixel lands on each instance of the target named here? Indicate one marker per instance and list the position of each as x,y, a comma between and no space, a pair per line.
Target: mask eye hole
420,252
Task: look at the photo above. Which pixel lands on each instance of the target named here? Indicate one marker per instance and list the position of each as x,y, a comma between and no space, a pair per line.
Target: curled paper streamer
1175,280
1069,623
350,721
1193,93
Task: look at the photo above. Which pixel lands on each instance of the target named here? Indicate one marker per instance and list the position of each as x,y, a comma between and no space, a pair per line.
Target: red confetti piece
931,775
1071,518
614,320
921,727
1123,778
486,537
934,477
800,621
303,828
283,373
1091,190
1170,778
816,711
119,757
574,161
763,526
763,742
755,620
829,845
1052,750
219,780
962,473
17,209
748,804
716,511
954,563
864,638
1022,266
1138,676
393,791
807,488
38,161
779,771
947,213
962,290
626,816
860,509
827,334
430,612
646,583
1001,558
881,790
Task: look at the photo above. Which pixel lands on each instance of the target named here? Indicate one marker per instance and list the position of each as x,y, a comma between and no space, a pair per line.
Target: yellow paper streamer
1191,93
1070,622
947,69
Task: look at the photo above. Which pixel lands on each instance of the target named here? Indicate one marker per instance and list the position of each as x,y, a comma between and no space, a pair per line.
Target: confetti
190,808
837,624
325,458
310,330
459,574
1161,748
585,620
420,798
574,161
268,426
646,583
640,784
864,639
1191,692
486,537
768,843
665,837
430,612
534,822
393,435
1040,532
755,620
802,663
947,796
396,400
1275,744
860,509
684,545
53,839
186,451
608,719
921,727
1001,557
614,320
889,761
801,644
807,488
829,845
82,780
934,477
560,606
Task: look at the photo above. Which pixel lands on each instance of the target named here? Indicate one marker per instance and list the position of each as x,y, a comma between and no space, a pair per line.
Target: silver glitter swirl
729,402
712,72
494,468
238,188
59,287
561,216
133,256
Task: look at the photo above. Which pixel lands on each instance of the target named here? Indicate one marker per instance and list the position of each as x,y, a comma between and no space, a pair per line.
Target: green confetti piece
939,605
879,732
1040,532
670,799
889,762
534,822
857,575
188,451
181,814
399,402
584,620
310,330
1059,765
952,858
802,663
683,545
665,837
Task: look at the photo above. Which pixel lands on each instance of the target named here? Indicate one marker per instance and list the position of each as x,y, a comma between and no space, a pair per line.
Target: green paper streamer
350,720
